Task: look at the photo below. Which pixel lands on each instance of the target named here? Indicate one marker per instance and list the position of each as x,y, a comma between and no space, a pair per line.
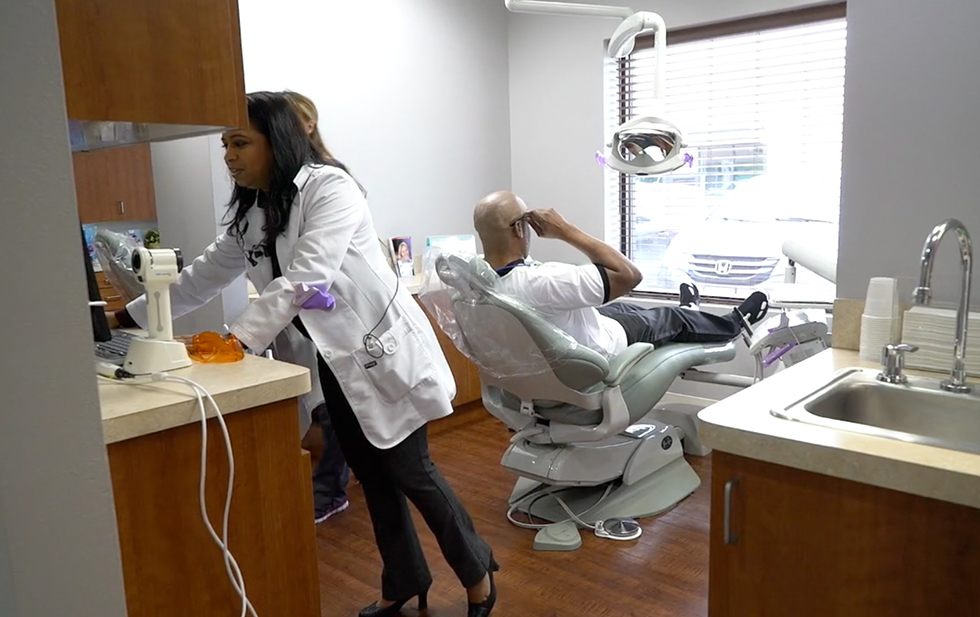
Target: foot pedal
558,537
618,529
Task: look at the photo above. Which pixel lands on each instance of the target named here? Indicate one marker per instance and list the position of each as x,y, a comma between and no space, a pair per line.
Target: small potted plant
151,239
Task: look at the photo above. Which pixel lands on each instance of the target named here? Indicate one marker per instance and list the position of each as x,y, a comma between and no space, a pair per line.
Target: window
761,109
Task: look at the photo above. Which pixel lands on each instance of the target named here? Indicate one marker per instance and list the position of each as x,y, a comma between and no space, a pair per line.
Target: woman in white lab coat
300,228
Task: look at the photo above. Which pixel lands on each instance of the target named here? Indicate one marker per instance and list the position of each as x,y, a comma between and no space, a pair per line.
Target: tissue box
933,331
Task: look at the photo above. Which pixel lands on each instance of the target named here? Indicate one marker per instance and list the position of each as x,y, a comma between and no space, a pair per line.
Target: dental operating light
643,146
646,146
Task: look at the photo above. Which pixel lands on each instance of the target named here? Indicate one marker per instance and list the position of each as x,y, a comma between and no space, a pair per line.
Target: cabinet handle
729,537
122,207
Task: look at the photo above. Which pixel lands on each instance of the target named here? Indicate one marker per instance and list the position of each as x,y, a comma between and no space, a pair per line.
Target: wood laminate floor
663,573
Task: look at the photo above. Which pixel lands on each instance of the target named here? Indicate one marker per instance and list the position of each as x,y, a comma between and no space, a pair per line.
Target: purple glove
313,296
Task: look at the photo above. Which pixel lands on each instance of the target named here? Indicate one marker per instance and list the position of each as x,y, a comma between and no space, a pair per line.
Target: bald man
576,299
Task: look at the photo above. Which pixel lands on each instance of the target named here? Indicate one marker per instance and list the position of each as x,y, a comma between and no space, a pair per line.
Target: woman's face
403,252
248,156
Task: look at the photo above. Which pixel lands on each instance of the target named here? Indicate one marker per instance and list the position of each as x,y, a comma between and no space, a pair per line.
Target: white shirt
567,296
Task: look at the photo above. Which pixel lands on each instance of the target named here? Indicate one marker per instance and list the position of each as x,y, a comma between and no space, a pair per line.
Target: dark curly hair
273,115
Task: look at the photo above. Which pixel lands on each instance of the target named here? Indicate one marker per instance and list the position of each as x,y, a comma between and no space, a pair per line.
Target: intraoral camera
157,269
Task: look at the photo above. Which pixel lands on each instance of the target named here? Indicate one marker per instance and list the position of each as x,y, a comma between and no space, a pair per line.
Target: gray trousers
331,474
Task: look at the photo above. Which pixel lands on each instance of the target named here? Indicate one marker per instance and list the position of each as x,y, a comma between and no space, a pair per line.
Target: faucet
923,295
893,363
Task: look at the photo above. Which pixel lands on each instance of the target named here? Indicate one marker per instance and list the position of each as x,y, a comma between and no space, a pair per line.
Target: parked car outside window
737,248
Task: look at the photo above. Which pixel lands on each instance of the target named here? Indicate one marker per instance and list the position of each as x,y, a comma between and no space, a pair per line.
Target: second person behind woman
330,470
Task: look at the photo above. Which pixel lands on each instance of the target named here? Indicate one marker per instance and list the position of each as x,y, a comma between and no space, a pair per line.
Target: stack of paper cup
881,322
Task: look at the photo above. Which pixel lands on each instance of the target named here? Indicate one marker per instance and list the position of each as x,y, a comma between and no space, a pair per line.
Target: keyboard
114,350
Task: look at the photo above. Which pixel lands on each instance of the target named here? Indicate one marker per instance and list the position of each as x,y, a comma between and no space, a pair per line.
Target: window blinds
761,102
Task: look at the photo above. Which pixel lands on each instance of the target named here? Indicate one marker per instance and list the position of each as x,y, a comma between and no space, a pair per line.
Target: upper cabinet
151,62
115,184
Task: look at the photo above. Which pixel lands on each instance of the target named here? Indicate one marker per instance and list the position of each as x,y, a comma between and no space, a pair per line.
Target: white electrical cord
232,569
231,565
571,515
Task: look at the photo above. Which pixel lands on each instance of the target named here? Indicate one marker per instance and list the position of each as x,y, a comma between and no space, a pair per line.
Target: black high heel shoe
483,609
393,609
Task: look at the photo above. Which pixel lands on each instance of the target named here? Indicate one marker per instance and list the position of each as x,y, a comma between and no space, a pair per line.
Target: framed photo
89,231
402,255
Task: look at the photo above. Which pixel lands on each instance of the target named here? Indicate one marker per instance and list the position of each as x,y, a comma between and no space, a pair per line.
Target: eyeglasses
521,219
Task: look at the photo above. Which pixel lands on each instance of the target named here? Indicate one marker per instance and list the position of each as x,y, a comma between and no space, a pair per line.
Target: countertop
134,410
741,424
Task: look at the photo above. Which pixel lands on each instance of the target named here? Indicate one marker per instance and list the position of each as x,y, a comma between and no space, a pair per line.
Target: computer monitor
100,325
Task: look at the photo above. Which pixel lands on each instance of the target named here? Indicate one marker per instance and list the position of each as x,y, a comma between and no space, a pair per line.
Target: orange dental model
213,347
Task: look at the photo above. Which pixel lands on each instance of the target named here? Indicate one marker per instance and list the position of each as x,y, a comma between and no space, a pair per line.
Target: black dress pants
392,477
671,324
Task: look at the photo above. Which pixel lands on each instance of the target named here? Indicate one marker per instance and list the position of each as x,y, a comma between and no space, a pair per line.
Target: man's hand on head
547,223
620,273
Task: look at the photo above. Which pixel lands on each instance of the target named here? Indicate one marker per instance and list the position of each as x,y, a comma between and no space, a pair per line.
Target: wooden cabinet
115,184
167,62
170,564
113,299
465,373
804,544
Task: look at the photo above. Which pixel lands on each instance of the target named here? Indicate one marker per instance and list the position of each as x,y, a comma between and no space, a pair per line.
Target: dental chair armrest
622,363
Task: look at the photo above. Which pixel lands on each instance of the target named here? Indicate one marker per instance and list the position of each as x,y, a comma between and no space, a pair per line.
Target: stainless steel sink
917,412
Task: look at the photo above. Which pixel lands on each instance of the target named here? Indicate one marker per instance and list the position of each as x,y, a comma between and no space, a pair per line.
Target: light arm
567,8
622,39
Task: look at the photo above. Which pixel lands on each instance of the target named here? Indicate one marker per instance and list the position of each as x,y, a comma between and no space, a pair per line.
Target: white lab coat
292,346
331,240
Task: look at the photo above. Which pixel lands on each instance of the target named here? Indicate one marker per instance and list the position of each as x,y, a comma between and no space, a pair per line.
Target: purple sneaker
321,515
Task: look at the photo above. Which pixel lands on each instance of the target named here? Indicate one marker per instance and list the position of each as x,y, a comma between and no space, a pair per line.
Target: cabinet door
169,564
115,184
113,299
804,544
168,62
465,373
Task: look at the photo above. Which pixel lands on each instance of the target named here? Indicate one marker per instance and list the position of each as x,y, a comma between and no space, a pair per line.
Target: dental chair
585,429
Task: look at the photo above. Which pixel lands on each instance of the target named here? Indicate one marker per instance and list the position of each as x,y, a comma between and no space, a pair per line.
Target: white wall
192,189
556,113
59,550
412,97
911,139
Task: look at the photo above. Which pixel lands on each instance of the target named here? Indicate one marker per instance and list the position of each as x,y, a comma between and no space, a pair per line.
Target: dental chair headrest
471,277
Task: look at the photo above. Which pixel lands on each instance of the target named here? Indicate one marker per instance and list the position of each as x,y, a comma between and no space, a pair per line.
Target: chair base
685,417
654,494
629,456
